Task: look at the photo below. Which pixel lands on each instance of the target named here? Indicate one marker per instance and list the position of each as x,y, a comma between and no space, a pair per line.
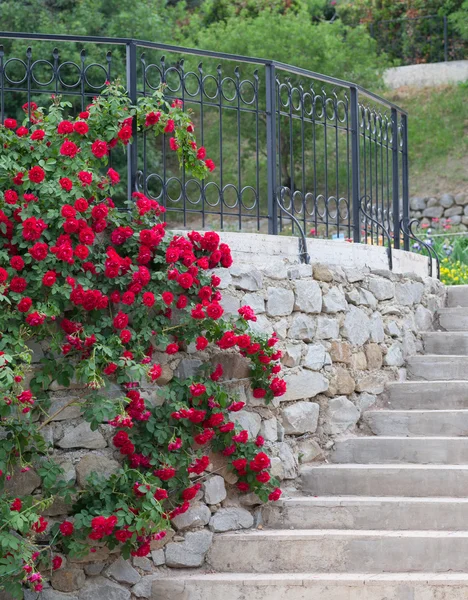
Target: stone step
312,586
339,551
418,395
367,512
415,481
446,342
394,450
417,422
436,368
457,295
453,319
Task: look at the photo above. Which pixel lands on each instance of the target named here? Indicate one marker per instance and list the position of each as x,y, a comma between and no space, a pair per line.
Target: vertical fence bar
405,176
395,181
132,149
355,164
270,84
445,38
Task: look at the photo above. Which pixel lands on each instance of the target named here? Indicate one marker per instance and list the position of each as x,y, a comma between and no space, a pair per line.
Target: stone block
68,579
247,420
123,572
315,357
197,515
303,385
409,293
359,361
231,304
231,519
81,436
22,484
95,463
292,355
342,382
234,365
191,552
269,429
417,203
340,352
322,273
342,414
158,557
215,490
301,417
308,450
454,211
303,327
373,383
103,589
188,367
383,289
334,301
433,212
461,199
288,459
308,296
394,356
280,302
61,412
374,356
255,301
446,200
246,278
356,326
327,328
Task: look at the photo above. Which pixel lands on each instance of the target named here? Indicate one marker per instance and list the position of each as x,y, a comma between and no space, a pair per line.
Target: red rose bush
107,291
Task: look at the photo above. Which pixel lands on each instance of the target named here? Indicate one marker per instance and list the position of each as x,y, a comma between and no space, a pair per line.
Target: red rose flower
36,174
66,184
263,477
16,263
81,205
35,319
110,369
120,320
113,176
11,197
39,251
10,123
49,278
190,493
148,299
167,297
125,336
22,131
65,127
81,127
56,563
170,126
201,343
172,348
24,304
38,135
160,494
16,505
210,164
99,148
18,285
275,495
86,178
125,134
152,118
201,154
69,149
173,144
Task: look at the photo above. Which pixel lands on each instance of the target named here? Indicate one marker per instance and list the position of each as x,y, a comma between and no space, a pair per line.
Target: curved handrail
387,235
407,227
303,253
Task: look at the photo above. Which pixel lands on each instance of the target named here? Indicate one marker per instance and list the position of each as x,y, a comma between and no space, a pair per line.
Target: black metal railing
297,152
414,40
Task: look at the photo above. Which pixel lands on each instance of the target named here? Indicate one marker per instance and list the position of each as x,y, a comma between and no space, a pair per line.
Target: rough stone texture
68,579
191,552
327,328
280,302
377,328
81,436
315,358
383,289
246,278
188,367
215,490
197,515
292,355
356,327
143,589
303,327
341,415
309,451
269,429
231,519
301,417
343,383
340,352
304,384
288,459
374,356
255,301
308,296
95,463
104,589
23,484
247,420
334,301
123,572
394,356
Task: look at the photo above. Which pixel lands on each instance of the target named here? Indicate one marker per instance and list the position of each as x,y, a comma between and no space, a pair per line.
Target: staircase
387,519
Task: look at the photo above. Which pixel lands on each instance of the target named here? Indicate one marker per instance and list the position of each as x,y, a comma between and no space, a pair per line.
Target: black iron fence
297,152
427,39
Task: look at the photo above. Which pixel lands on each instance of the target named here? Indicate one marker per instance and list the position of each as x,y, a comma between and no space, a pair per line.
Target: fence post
270,83
395,181
405,176
132,149
445,38
355,164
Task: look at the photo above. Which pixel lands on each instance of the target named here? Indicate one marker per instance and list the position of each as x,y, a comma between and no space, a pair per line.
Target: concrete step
312,586
436,368
453,319
367,512
446,342
457,295
339,551
409,423
415,481
418,395
394,450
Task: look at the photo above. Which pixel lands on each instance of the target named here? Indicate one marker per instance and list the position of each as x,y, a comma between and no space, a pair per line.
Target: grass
438,138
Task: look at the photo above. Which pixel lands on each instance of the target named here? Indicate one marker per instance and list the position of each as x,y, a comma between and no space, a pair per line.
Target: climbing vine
106,292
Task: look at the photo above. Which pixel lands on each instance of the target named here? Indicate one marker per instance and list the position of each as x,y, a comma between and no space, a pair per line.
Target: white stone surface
427,74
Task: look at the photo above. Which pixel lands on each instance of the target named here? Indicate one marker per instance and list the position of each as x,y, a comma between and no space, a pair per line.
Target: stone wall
447,208
344,331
